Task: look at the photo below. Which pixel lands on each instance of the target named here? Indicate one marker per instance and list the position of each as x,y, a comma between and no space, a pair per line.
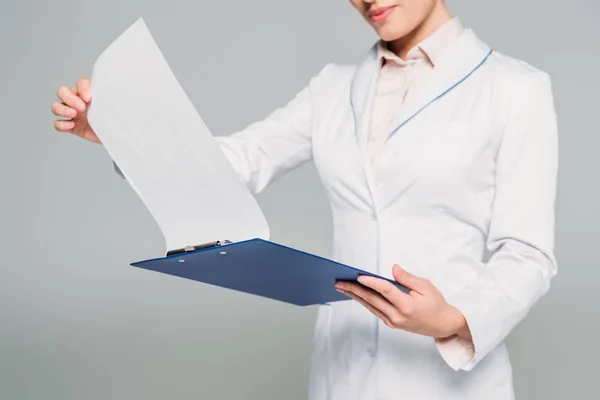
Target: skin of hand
423,311
73,106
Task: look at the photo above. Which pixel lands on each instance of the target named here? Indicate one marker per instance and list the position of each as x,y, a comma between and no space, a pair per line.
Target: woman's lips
380,14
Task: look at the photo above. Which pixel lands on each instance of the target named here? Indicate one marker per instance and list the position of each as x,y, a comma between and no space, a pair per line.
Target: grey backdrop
78,323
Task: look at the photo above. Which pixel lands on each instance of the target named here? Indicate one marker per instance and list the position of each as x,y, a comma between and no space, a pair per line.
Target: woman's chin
389,34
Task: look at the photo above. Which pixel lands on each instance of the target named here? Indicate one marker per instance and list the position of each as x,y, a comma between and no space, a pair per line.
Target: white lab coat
463,196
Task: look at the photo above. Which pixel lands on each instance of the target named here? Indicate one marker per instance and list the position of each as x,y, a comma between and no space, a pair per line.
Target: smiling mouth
380,14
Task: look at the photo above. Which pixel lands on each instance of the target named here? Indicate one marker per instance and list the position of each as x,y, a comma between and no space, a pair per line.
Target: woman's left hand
423,311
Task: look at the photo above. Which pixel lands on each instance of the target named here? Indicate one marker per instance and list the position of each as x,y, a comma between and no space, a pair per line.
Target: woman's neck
438,17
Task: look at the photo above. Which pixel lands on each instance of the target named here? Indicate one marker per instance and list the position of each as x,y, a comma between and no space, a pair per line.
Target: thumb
412,282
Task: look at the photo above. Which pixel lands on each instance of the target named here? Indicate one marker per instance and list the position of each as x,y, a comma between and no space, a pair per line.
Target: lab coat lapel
466,55
463,59
362,92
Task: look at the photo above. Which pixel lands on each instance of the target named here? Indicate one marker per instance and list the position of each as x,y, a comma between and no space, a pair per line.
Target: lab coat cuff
456,351
476,314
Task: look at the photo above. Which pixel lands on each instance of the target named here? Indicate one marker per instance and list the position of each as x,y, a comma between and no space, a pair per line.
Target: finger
378,313
384,288
64,126
68,96
413,282
83,87
62,110
372,297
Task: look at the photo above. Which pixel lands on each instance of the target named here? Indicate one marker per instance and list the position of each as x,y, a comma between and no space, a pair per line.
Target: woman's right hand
73,106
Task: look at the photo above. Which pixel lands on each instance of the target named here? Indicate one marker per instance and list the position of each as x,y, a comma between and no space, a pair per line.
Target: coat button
371,351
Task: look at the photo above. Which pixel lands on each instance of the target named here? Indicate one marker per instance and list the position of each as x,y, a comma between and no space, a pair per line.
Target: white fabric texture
473,172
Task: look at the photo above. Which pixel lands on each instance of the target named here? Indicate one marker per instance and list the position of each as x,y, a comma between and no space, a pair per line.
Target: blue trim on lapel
440,96
364,65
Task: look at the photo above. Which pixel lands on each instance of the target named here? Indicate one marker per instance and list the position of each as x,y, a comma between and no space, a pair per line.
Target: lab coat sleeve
267,149
521,230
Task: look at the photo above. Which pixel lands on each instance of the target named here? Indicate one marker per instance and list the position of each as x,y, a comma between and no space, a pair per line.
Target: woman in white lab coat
459,205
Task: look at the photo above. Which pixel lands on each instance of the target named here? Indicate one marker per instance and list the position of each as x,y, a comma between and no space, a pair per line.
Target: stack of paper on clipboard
214,229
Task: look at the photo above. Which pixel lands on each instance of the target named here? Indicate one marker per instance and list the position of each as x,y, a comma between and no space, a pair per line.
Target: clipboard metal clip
188,249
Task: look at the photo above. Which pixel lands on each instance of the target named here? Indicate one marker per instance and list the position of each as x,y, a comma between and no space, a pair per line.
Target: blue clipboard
263,268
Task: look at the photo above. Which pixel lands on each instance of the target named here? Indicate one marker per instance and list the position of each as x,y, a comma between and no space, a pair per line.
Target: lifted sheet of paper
151,130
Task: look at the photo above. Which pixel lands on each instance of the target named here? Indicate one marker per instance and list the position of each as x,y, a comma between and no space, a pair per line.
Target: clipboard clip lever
188,249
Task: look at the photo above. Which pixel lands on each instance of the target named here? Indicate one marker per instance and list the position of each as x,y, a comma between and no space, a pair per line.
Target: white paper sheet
151,130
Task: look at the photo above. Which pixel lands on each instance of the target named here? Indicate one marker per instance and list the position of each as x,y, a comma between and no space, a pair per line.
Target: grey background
78,323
